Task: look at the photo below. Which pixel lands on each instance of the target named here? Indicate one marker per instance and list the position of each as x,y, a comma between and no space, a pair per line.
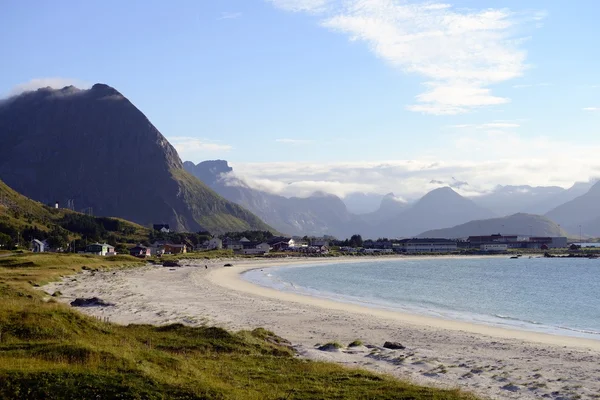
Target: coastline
231,278
491,362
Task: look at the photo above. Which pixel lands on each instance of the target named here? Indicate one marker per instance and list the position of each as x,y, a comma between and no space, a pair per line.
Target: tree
6,242
356,241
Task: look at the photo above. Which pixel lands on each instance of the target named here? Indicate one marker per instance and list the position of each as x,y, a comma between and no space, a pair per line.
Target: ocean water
558,296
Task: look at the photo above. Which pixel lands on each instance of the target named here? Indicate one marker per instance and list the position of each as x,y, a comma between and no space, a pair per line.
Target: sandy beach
492,362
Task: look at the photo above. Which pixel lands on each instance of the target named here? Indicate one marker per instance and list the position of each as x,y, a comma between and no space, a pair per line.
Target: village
261,245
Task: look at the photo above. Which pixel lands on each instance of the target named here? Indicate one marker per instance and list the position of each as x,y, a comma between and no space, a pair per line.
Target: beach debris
170,264
228,265
90,302
394,346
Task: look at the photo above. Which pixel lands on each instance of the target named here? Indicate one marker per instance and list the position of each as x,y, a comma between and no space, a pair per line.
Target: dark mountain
96,148
517,224
317,215
441,207
583,210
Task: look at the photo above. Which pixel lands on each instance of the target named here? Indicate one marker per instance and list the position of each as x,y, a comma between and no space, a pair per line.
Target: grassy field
49,351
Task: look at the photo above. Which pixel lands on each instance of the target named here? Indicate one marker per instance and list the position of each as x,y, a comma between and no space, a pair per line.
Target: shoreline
499,366
231,278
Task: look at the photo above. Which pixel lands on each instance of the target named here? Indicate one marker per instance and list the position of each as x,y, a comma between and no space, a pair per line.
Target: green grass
50,351
356,343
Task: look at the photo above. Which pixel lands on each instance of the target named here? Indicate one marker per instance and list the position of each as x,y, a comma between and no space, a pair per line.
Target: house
164,228
100,249
37,246
175,248
214,244
157,248
433,245
140,251
280,243
235,245
255,248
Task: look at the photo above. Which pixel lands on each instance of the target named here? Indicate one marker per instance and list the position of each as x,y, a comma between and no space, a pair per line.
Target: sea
559,296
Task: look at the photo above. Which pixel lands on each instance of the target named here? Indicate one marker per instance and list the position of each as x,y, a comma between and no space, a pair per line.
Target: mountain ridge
96,148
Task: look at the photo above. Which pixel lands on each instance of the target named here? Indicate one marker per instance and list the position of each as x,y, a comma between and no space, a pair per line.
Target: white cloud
459,52
294,141
230,15
591,109
55,83
194,149
301,5
483,159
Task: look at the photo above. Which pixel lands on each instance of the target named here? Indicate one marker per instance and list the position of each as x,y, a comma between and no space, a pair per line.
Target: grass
356,343
50,351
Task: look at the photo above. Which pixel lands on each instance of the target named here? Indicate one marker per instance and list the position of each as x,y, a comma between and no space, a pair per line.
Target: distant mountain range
508,200
326,214
517,224
317,215
94,149
580,215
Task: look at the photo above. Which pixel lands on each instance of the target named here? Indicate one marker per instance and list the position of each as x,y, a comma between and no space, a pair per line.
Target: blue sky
338,95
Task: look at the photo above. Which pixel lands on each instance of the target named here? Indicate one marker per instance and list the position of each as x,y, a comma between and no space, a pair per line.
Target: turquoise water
558,296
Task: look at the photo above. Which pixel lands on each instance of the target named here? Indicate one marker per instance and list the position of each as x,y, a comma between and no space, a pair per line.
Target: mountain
507,200
517,224
316,215
390,207
96,149
583,210
442,207
362,203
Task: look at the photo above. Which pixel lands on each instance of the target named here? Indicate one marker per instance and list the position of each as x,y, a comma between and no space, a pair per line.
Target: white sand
492,362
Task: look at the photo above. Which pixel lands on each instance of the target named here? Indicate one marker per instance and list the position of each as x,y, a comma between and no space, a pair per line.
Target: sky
337,95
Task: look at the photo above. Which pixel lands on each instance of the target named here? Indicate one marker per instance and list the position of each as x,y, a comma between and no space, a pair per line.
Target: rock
171,264
394,346
91,302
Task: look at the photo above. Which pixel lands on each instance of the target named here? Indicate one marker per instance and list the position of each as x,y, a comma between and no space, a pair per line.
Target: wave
586,331
517,319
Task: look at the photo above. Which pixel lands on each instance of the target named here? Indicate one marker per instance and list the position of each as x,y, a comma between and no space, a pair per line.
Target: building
164,228
255,248
100,249
214,244
280,243
37,246
140,251
494,247
175,248
427,245
551,242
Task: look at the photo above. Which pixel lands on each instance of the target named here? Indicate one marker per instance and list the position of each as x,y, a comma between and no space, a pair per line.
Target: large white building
427,246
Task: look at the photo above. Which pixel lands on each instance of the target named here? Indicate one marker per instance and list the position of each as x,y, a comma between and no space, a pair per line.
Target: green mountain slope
22,219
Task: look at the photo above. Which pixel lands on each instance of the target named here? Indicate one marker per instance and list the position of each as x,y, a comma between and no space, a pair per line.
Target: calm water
558,296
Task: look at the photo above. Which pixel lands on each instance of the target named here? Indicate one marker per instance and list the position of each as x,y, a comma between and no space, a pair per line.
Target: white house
262,248
214,243
37,246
